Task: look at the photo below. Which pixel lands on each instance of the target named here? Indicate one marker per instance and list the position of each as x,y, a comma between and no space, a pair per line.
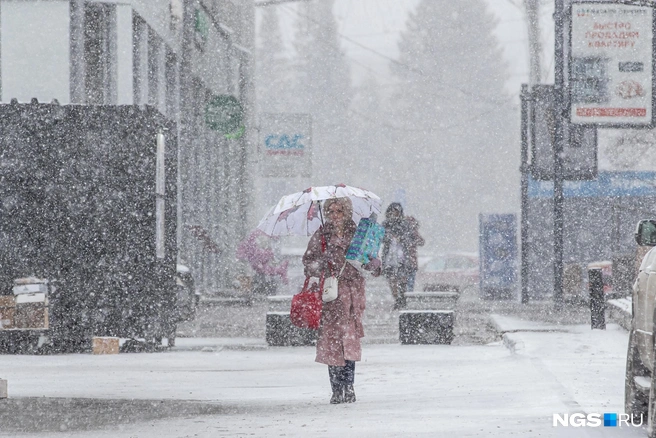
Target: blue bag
365,243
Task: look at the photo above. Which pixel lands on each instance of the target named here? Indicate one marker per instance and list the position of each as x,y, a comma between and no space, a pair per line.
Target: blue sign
498,254
606,184
284,144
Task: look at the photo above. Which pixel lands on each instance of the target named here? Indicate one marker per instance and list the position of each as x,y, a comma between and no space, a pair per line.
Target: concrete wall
35,50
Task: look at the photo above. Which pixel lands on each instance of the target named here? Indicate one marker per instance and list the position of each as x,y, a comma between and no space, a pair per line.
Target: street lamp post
561,108
524,98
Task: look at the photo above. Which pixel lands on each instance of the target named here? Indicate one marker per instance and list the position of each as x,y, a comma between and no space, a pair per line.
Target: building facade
179,56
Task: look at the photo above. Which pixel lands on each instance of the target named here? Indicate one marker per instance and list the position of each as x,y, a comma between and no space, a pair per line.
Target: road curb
512,343
619,311
52,415
511,328
218,344
492,322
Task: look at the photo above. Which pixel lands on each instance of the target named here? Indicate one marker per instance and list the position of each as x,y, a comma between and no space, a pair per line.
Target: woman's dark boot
349,394
338,395
335,374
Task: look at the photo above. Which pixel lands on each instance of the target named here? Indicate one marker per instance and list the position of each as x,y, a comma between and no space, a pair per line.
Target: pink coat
341,320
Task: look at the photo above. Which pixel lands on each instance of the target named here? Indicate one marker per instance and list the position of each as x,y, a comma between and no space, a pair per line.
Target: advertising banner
610,64
580,151
498,255
285,145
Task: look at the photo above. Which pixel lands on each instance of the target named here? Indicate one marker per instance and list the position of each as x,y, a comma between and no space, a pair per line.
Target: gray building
179,56
600,219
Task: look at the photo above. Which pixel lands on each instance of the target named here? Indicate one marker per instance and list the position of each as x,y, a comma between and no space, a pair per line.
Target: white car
640,381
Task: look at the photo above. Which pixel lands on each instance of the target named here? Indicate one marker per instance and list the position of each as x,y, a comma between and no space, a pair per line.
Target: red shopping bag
306,306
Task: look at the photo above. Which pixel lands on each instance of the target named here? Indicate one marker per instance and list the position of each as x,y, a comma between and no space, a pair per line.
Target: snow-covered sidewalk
586,366
402,390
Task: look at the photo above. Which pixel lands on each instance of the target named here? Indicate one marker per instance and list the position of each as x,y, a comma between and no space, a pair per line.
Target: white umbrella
300,213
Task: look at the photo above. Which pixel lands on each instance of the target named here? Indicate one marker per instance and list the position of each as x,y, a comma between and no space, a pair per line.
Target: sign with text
285,146
610,64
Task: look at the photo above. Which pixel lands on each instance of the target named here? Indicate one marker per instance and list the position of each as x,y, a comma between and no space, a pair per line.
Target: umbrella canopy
299,214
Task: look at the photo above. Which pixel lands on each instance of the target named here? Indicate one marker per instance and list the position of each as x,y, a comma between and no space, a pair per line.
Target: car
640,379
452,272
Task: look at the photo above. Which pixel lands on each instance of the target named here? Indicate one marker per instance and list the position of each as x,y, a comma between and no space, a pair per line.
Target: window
100,53
456,263
156,66
140,60
176,10
160,194
171,83
436,265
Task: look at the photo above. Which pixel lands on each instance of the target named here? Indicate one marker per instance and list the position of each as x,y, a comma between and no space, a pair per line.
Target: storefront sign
610,64
285,145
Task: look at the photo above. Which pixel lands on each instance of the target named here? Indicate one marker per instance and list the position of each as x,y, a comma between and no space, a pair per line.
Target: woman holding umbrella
341,327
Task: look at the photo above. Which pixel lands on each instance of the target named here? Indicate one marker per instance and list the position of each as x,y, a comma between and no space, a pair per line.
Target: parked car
451,272
640,379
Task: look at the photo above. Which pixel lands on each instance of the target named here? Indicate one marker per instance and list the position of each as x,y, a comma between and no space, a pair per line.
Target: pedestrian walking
399,252
258,251
338,345
414,241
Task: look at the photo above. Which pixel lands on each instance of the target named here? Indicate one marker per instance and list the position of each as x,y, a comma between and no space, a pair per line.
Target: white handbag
331,287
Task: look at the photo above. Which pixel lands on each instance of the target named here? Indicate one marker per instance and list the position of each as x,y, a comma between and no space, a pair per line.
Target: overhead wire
342,24
459,124
366,67
359,63
515,4
434,94
379,123
403,65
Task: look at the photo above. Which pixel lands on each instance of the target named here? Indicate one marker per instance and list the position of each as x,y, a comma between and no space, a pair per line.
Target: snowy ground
457,391
505,375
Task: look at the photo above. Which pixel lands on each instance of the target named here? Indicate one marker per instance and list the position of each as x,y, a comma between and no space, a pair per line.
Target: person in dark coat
414,241
399,252
341,327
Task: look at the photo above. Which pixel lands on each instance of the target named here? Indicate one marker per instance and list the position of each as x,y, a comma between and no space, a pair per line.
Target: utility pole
524,98
532,8
560,109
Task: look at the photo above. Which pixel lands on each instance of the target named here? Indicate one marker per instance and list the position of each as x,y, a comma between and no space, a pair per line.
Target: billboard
498,255
610,64
285,145
580,151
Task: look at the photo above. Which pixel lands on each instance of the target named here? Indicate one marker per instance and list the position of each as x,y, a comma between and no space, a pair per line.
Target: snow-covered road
403,391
